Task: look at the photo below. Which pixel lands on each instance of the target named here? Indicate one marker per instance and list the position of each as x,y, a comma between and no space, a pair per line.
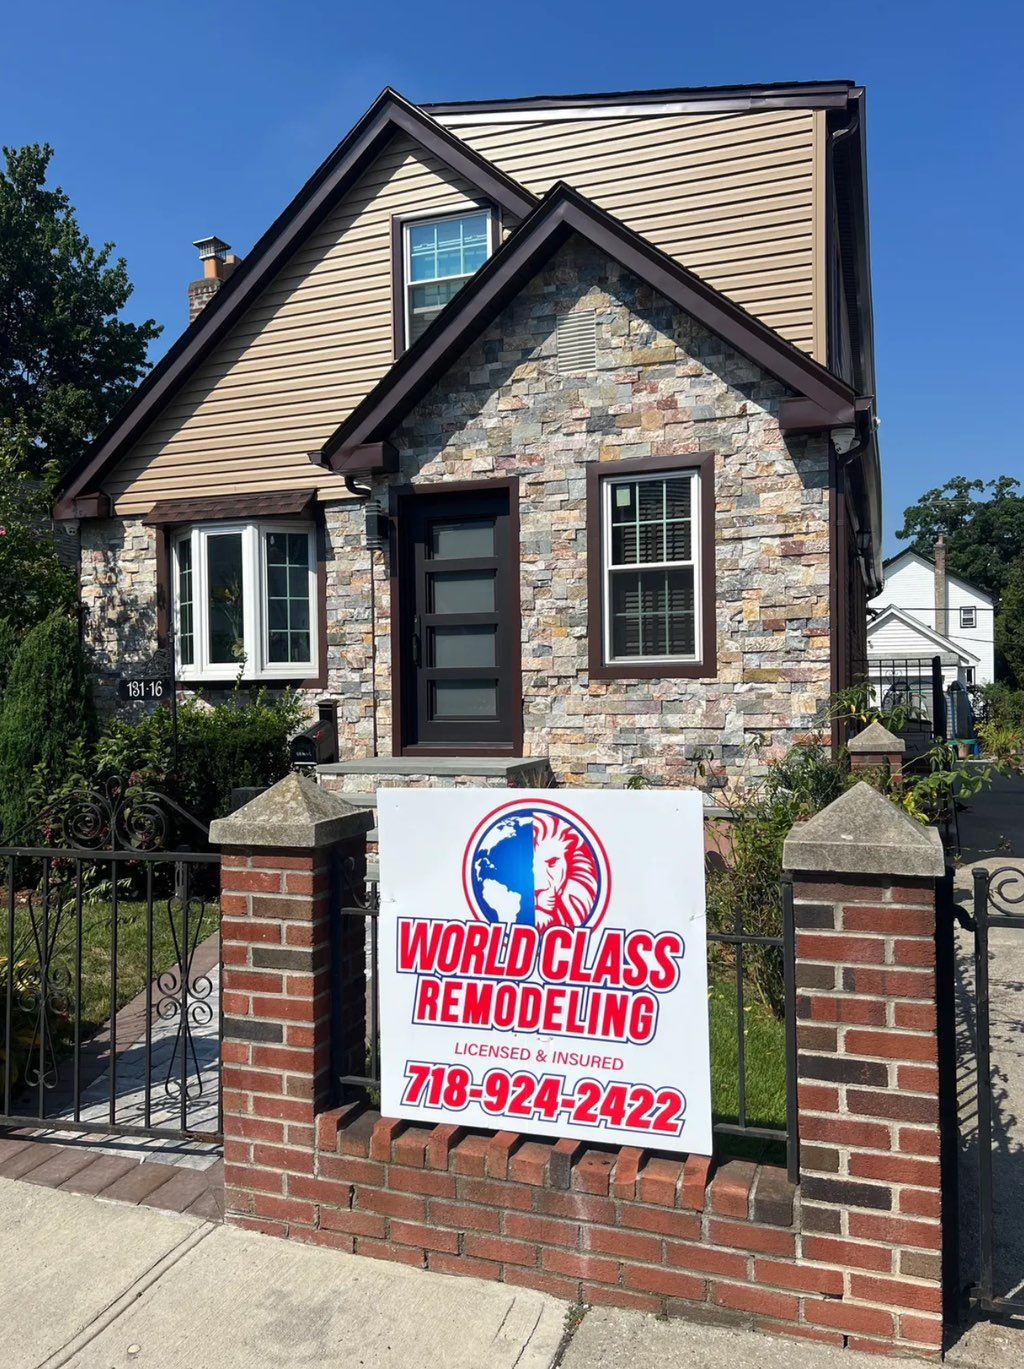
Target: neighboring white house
922,611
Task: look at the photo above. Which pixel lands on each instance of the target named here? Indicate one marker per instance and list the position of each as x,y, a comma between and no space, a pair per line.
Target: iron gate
998,905
109,974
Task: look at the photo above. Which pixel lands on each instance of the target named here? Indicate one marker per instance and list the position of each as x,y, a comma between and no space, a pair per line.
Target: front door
459,623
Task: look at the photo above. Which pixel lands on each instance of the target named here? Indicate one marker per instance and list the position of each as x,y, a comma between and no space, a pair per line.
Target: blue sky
172,120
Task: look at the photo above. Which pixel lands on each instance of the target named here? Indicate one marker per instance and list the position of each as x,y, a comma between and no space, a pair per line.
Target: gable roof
909,552
703,99
945,644
822,399
389,115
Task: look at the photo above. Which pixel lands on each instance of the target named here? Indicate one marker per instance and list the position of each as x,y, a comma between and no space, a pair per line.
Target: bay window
245,601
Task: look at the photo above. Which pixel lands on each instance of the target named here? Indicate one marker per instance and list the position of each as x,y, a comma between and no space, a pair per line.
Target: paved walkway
89,1285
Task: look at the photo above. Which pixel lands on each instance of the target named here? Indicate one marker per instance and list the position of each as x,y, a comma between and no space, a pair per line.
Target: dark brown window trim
707,667
398,496
398,281
164,602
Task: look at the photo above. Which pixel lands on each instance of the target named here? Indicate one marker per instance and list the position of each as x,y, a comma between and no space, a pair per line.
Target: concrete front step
445,772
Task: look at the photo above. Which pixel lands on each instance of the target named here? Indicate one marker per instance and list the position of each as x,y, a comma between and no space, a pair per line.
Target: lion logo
538,865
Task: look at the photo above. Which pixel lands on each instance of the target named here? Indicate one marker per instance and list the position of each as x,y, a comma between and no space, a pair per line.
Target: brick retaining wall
853,1256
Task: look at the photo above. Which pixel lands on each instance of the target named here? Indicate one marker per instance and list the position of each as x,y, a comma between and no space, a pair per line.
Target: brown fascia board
773,95
388,115
564,212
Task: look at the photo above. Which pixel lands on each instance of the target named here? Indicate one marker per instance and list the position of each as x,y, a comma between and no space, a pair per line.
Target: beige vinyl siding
301,358
735,197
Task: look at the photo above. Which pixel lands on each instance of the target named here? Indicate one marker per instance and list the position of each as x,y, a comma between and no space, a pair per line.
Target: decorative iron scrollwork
1006,889
114,816
185,998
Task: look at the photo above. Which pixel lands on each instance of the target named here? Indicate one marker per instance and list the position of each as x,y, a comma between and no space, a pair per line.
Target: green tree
33,582
46,715
983,523
67,362
1010,625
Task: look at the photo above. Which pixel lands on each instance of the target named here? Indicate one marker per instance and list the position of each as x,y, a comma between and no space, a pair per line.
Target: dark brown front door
459,624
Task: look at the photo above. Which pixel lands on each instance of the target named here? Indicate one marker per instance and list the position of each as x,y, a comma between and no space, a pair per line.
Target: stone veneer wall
663,385
118,584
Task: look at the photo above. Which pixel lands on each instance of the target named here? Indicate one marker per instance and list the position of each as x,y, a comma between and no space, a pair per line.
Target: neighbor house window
651,568
245,601
439,256
968,617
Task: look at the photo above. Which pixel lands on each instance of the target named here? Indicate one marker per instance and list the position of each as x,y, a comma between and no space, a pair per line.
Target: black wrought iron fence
359,909
909,689
109,975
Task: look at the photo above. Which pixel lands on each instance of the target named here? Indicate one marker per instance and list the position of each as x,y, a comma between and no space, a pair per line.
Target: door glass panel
462,591
226,604
463,699
450,541
455,647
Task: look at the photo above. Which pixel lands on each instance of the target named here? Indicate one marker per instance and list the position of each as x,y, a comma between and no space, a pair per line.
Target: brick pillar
864,877
877,749
283,858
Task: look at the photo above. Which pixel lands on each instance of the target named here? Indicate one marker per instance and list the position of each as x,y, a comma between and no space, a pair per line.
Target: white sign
543,964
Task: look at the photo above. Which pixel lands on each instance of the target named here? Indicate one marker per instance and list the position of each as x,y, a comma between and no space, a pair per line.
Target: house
538,434
922,611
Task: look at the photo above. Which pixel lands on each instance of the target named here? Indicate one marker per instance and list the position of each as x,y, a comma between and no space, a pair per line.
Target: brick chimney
218,263
941,588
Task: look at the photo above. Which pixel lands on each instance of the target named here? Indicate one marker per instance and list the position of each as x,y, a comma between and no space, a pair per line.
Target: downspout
364,493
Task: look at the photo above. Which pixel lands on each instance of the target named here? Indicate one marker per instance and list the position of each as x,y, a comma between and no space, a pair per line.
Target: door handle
416,643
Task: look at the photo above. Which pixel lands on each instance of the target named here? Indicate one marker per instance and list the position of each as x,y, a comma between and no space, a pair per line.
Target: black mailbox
318,744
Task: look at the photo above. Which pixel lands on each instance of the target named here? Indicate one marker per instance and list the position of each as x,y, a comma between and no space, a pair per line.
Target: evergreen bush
46,713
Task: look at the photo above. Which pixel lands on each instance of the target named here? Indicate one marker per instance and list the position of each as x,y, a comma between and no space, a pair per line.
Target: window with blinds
651,567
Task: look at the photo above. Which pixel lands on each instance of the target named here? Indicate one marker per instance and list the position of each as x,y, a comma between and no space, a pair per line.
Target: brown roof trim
563,212
388,115
273,504
773,95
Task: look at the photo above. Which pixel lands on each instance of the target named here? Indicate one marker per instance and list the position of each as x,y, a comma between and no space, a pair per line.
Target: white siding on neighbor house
897,642
299,361
910,586
738,198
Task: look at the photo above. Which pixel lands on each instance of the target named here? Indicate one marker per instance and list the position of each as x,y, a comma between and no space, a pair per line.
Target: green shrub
8,650
237,744
1003,707
804,782
46,713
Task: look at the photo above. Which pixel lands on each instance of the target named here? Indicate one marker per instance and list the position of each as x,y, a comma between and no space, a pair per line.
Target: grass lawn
133,965
765,1065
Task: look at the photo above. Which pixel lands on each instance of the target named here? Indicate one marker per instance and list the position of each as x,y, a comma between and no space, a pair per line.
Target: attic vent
576,340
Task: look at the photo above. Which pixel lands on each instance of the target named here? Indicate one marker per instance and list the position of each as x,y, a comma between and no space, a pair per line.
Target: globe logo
536,864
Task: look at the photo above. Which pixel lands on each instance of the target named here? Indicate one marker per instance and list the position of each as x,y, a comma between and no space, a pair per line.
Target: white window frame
257,664
694,562
408,221
968,617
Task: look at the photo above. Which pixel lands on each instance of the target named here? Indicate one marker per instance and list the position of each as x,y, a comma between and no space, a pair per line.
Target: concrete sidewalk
91,1284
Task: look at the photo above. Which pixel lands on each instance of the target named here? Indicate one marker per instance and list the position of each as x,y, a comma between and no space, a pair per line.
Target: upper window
969,617
440,255
245,601
651,568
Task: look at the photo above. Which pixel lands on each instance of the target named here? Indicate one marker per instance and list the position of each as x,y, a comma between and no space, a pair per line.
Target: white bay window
245,601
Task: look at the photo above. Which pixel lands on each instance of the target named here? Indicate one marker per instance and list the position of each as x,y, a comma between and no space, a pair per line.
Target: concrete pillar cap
294,813
862,833
876,740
